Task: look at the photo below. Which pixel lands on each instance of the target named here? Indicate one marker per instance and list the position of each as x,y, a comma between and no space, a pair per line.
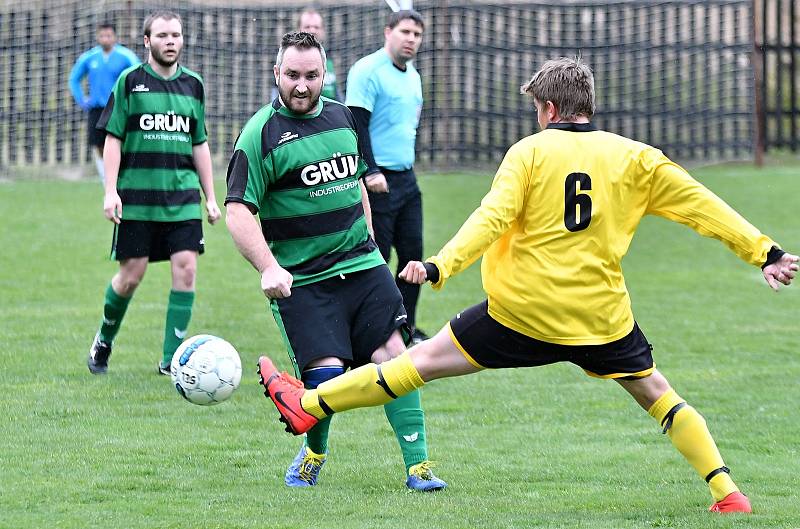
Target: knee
393,347
184,275
127,281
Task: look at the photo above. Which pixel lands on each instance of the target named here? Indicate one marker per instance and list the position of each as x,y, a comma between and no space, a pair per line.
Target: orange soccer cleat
733,502
285,391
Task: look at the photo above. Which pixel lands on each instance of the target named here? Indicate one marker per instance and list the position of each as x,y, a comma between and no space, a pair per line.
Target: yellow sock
369,385
689,434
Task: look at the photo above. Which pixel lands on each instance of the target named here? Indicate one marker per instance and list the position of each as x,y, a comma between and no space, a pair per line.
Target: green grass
546,447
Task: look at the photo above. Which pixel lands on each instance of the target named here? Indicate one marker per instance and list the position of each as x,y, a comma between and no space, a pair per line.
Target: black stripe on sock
667,421
720,470
382,383
324,405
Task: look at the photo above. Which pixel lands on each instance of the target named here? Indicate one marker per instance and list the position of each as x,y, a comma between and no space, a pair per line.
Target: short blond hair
568,83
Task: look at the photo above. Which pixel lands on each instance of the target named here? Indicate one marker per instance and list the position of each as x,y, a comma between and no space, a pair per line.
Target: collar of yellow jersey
573,127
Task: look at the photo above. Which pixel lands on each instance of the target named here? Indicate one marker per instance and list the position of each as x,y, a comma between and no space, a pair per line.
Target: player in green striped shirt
297,165
156,160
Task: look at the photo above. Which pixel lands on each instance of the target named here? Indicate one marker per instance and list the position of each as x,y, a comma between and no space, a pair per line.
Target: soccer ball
206,369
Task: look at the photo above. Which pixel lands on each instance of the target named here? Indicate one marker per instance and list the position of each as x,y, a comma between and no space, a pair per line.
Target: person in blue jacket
101,65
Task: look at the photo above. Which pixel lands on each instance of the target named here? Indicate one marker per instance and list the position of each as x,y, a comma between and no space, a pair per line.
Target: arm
676,196
276,282
201,155
367,209
112,155
376,181
498,210
75,76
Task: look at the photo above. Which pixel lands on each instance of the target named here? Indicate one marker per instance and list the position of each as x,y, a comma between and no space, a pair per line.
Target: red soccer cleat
733,502
285,391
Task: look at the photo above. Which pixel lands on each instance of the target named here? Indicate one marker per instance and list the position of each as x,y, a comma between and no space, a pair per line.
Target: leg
369,385
118,296
98,162
407,418
96,140
373,385
317,372
408,243
383,225
689,434
183,265
305,468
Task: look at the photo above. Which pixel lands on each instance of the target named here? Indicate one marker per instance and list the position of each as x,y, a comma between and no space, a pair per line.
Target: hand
781,271
213,211
276,282
414,273
376,183
112,207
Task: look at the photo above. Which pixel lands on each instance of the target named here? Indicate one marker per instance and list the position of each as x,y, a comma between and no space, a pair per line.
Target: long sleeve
676,196
498,210
362,117
76,74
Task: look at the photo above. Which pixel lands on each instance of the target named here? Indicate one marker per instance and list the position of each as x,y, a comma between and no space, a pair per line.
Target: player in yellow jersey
553,229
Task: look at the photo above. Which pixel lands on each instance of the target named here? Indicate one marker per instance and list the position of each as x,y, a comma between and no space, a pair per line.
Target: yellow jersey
560,216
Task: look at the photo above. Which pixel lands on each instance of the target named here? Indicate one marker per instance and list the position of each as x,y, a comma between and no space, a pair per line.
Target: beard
299,105
162,60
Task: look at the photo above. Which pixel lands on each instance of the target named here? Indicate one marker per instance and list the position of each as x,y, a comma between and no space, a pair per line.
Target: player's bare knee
126,285
393,347
184,272
646,390
184,279
127,280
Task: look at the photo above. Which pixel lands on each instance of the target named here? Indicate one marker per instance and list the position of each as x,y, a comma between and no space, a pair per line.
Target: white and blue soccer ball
206,369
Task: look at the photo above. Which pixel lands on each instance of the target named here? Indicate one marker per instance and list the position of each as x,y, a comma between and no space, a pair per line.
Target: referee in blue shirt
102,66
384,92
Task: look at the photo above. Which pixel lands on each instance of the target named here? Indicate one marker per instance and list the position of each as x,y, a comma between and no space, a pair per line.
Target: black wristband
432,271
773,255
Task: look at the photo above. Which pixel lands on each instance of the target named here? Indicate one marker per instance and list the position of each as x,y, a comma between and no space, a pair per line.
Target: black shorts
487,343
345,317
156,240
97,137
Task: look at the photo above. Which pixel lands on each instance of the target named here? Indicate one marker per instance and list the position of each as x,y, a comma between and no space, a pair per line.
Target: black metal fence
777,41
676,74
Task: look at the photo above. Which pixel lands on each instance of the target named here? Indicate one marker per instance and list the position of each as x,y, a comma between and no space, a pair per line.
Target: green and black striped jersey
158,121
301,174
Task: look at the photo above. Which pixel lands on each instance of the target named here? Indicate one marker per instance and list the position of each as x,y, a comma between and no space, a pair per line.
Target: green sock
317,437
408,422
179,312
113,310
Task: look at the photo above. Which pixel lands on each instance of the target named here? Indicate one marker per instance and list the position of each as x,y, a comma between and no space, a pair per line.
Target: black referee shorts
97,137
487,343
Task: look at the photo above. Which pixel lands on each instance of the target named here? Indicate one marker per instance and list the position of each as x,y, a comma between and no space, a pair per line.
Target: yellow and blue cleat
304,470
421,478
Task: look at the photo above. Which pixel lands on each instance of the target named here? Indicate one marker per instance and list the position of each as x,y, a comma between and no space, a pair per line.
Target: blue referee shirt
102,70
394,98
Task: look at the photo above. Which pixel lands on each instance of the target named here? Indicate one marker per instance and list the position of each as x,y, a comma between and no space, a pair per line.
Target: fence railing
675,74
777,45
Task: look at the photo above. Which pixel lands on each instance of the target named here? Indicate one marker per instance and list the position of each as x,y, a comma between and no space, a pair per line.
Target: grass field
546,447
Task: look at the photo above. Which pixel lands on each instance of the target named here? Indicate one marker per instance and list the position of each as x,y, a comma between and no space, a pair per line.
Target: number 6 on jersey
577,207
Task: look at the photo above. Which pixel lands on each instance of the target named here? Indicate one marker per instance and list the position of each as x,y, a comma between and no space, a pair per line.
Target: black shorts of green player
489,344
156,240
346,316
